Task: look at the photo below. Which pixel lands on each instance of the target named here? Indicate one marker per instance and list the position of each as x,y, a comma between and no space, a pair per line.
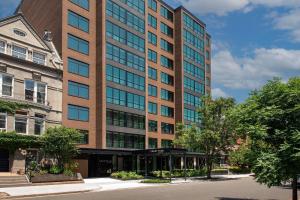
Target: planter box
45,178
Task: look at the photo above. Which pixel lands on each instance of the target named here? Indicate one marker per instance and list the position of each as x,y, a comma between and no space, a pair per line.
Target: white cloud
252,72
218,92
223,7
291,22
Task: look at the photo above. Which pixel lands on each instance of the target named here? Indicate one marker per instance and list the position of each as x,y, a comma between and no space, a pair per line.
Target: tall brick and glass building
132,70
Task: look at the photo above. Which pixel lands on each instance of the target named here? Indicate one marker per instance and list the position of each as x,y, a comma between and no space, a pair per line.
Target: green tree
242,157
60,143
215,135
271,118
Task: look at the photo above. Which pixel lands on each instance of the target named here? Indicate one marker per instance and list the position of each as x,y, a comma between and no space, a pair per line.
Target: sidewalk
96,185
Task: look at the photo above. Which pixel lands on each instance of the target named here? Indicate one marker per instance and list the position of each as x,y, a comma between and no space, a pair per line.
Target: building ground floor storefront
102,162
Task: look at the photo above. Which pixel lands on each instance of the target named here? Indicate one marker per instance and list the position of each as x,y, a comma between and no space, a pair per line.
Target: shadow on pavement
216,179
229,198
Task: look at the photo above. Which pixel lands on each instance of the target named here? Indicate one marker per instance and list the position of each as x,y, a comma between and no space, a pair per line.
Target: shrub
126,175
156,181
68,172
179,173
55,169
239,170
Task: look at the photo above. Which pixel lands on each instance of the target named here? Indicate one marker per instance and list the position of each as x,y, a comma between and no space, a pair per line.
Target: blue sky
253,40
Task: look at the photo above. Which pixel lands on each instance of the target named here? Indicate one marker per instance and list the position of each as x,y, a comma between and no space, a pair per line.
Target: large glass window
166,13
152,108
78,90
152,38
167,128
152,56
124,57
78,67
21,123
193,25
167,46
152,21
166,62
166,143
124,119
138,5
19,52
152,143
124,16
82,3
39,124
191,115
6,84
152,4
125,37
124,140
78,21
39,58
193,70
167,111
152,73
152,126
193,40
166,78
152,90
165,29
193,55
78,44
166,95
35,91
193,85
78,113
192,100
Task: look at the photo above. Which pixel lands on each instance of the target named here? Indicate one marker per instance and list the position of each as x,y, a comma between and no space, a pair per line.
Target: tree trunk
294,186
208,168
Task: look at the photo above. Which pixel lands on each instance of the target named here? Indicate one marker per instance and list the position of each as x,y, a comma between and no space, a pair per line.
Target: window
192,100
78,44
152,143
138,5
166,143
193,40
207,41
124,119
152,4
125,78
152,56
166,78
39,58
166,46
152,108
78,67
165,29
35,91
167,111
152,90
152,73
127,99
207,81
21,123
124,16
152,21
39,124
166,13
6,85
193,70
123,57
152,38
166,62
125,37
82,3
84,139
152,126
207,68
193,25
207,55
193,85
3,121
124,140
193,55
78,90
167,128
167,95
2,47
78,113
191,115
19,52
78,21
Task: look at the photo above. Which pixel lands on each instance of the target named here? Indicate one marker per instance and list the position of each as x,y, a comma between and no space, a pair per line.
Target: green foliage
68,172
243,157
59,143
156,181
126,175
179,173
55,170
14,141
11,107
271,118
239,170
216,134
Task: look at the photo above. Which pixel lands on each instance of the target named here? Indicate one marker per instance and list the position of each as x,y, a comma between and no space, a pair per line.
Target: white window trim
1,81
27,125
34,51
5,129
35,91
5,46
20,46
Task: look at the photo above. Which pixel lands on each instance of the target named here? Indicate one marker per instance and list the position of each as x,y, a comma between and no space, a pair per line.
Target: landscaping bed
45,178
156,181
122,175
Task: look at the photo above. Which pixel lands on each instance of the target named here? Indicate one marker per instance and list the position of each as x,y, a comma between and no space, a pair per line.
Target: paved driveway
237,189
